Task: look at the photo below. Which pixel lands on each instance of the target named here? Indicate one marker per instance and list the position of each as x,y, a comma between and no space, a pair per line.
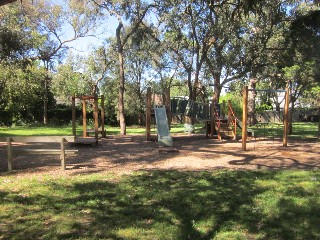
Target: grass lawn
162,205
301,130
67,130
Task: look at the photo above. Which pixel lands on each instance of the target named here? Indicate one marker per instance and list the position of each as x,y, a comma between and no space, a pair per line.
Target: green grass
162,205
67,130
301,130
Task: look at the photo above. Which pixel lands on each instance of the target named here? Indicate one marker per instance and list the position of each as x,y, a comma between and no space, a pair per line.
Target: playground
125,154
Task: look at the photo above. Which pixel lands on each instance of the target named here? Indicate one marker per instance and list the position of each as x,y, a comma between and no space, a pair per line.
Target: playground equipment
162,115
202,112
164,138
85,138
245,115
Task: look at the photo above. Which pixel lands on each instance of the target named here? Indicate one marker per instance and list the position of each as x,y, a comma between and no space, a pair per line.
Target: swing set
245,115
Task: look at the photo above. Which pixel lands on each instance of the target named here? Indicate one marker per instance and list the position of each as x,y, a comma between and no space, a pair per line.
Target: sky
83,45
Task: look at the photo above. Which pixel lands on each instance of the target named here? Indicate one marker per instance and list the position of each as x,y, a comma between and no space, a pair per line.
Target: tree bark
45,101
121,82
291,117
217,89
251,102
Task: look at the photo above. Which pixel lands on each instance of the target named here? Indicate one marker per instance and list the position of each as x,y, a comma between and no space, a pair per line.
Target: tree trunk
188,119
216,92
45,101
121,82
291,117
251,102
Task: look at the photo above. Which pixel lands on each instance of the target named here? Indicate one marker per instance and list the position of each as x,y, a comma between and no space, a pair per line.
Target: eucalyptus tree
188,36
19,76
138,62
132,12
47,23
52,20
70,79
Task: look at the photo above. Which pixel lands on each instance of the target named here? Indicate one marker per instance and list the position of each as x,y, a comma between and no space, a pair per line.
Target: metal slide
164,138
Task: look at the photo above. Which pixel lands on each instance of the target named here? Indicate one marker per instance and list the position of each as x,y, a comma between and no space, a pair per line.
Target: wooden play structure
204,112
219,122
86,132
245,115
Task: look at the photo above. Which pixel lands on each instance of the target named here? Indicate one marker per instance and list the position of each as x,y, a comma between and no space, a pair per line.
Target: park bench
11,150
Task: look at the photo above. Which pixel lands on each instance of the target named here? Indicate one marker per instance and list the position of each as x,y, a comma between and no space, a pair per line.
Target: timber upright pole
74,132
244,118
319,126
63,154
213,119
96,118
286,118
102,117
9,154
148,114
167,105
84,118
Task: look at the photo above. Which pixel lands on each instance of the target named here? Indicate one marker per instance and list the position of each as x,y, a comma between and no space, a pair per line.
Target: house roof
3,2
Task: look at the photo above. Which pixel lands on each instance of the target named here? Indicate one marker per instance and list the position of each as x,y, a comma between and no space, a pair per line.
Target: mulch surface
124,154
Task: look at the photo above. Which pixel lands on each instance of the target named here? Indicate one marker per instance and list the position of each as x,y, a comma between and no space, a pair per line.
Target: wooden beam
167,105
84,118
63,155
244,118
286,118
102,117
265,90
43,139
9,154
96,118
148,114
74,117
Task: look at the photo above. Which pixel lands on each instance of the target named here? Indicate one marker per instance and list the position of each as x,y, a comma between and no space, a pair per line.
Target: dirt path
131,153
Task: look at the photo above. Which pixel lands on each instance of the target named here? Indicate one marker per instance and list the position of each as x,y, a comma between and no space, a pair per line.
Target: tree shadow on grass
165,205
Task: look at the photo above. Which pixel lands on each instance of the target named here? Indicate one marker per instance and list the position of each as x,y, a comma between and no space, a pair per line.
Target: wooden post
102,117
96,117
84,118
213,119
148,114
286,118
9,153
63,155
74,131
167,105
244,118
319,125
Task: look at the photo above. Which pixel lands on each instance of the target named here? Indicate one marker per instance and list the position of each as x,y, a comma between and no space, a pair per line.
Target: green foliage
69,80
236,102
263,107
312,97
22,93
162,205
